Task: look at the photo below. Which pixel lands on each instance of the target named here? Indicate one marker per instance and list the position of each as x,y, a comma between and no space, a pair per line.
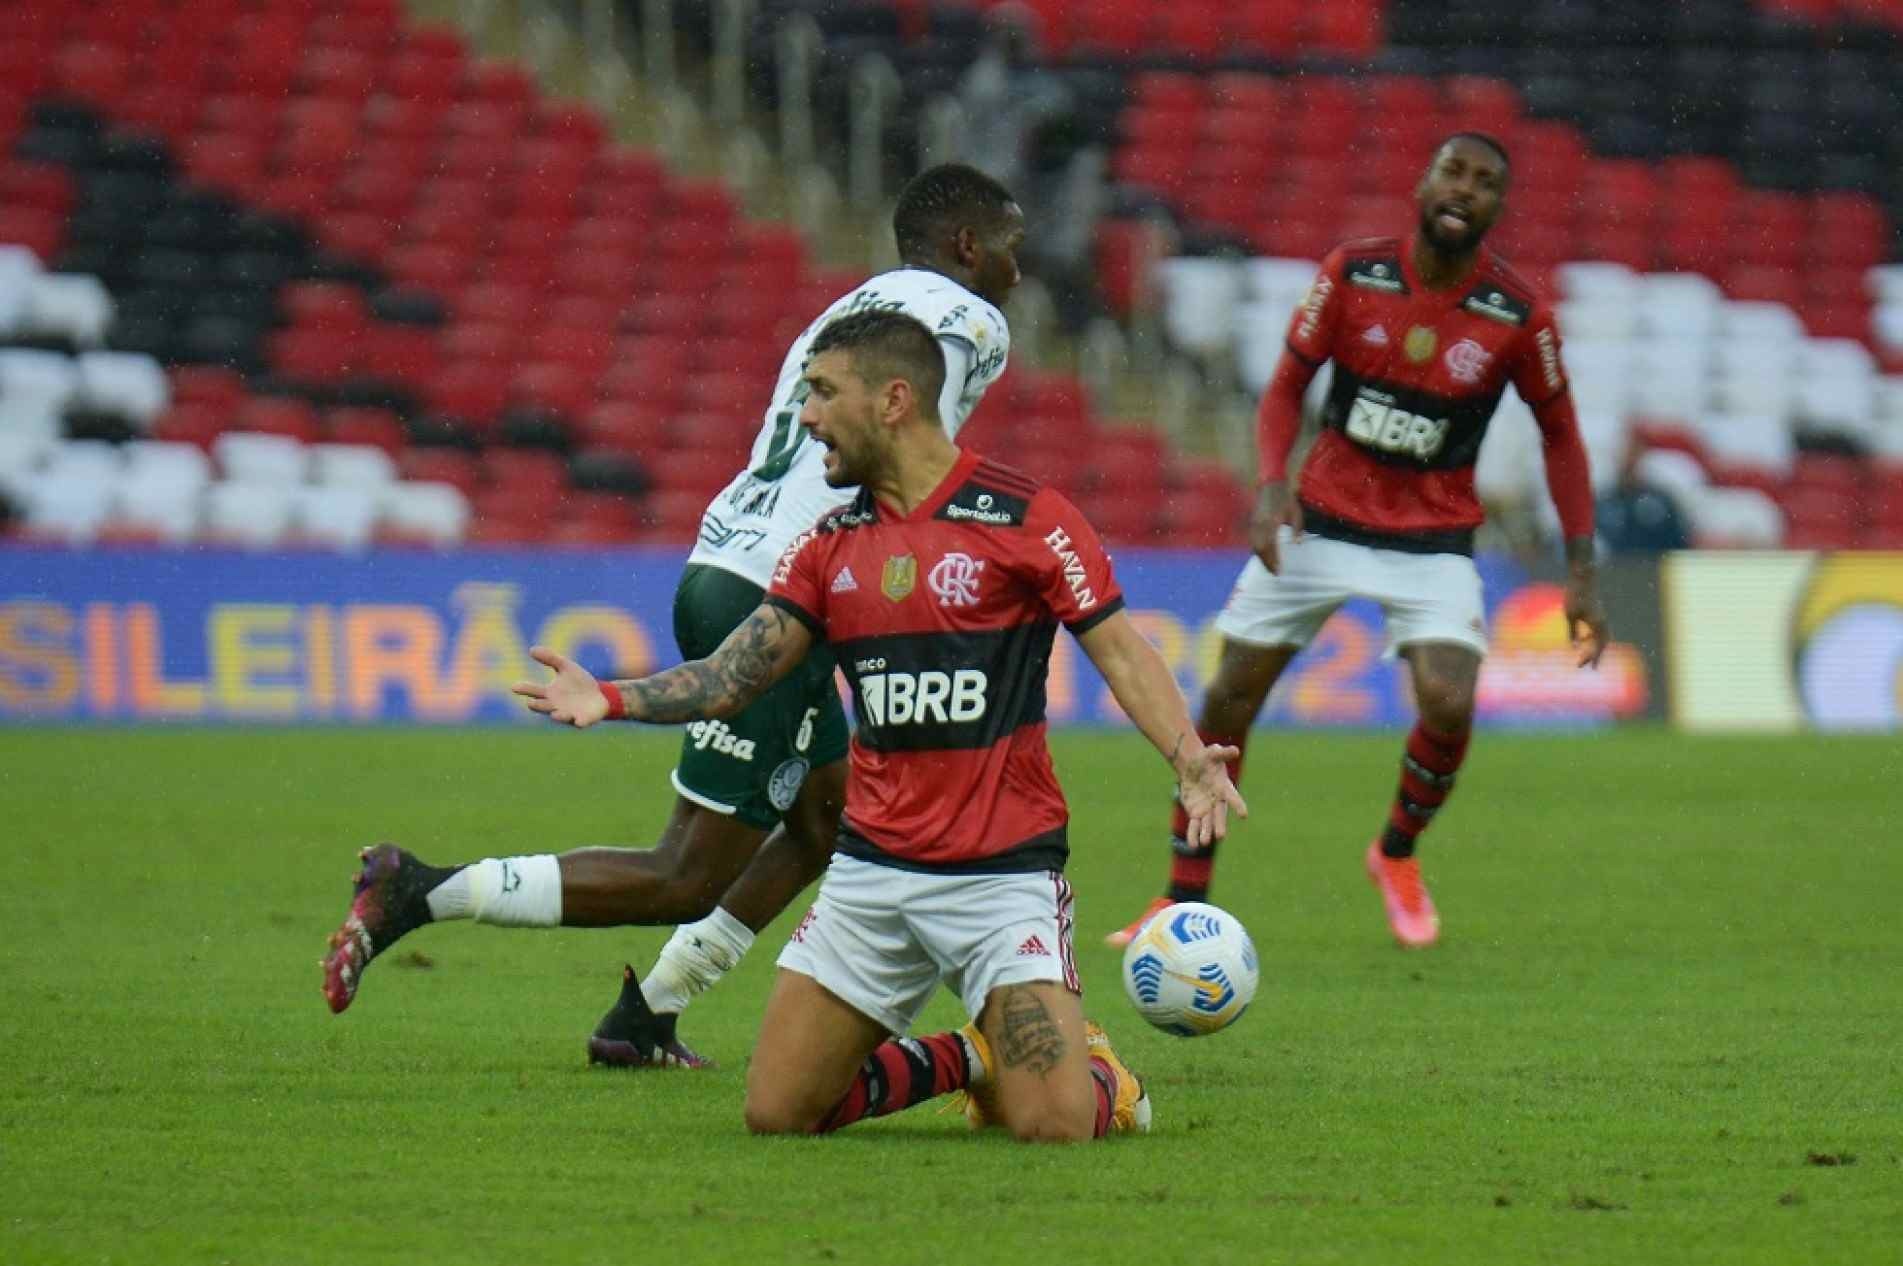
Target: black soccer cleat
631,1035
389,903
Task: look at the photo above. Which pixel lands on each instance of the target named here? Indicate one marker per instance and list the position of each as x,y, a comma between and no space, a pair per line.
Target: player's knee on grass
1065,1112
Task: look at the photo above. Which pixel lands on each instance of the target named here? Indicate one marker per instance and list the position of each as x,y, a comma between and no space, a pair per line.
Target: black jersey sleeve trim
1080,627
1302,356
799,613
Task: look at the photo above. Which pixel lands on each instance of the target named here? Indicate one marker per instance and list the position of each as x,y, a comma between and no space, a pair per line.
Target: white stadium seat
1759,321
1678,305
1677,475
1592,318
1885,283
1758,441
1261,329
340,517
436,512
1887,324
254,515
1608,439
1271,277
252,457
68,505
130,385
352,465
1600,371
18,267
69,306
167,462
1508,468
1742,518
49,378
1837,386
1597,281
1199,302
168,510
86,459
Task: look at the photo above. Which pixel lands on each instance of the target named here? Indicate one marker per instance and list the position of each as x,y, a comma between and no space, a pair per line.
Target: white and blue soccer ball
1191,970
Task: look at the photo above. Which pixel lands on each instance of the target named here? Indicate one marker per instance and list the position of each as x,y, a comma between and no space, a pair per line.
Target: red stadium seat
449,466
375,427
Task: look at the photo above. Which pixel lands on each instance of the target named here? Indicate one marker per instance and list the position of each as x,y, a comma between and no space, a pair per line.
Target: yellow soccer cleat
1130,1113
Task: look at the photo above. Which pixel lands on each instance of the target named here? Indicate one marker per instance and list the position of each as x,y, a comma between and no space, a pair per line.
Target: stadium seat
126,384
423,513
338,516
364,466
254,457
251,515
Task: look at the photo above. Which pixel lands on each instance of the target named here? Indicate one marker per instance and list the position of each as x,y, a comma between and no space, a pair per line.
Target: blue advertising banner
420,638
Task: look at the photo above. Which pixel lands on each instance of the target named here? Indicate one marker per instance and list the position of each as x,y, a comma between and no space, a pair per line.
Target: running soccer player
940,589
778,766
1425,333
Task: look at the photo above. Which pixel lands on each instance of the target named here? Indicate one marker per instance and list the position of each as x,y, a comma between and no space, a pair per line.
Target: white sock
976,1074
517,892
697,955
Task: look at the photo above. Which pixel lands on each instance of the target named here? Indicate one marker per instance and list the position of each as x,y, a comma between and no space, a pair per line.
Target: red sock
1105,1083
900,1074
1190,869
1428,766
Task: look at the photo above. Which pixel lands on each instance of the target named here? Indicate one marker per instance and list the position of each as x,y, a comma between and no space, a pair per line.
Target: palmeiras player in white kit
1425,333
940,588
779,765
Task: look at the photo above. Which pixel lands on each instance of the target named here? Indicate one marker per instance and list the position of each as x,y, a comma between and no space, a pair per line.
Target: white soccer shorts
882,939
1425,597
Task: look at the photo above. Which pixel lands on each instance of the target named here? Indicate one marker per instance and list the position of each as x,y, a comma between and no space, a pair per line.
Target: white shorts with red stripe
882,939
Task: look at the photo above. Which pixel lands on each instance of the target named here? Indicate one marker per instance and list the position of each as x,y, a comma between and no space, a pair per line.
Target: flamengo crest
954,578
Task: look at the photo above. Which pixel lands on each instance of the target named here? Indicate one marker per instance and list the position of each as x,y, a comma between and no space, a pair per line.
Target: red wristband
617,706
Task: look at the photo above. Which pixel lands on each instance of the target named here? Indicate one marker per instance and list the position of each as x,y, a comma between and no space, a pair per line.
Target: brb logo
898,698
954,578
1379,425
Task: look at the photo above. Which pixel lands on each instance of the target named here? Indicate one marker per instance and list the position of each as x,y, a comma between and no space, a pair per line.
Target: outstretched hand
1206,794
1586,623
572,696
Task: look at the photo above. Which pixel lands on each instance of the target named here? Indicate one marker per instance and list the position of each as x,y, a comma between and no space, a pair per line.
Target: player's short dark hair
884,345
1491,142
939,201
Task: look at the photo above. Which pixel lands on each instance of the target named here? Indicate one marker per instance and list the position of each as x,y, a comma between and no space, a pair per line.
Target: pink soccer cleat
388,902
1411,911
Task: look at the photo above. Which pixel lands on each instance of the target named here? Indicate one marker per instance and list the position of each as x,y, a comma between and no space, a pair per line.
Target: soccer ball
1191,970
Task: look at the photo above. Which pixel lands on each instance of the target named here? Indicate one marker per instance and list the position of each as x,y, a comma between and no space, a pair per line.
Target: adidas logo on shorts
1033,947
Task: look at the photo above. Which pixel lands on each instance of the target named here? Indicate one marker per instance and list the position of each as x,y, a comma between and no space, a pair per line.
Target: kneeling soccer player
939,589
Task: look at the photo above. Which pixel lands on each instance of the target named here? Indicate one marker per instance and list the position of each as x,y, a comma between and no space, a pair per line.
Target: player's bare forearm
754,656
1143,685
1148,693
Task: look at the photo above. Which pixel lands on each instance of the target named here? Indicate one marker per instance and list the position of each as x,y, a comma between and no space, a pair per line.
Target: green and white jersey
783,490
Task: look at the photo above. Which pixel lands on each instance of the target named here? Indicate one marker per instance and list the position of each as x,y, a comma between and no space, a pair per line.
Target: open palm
572,696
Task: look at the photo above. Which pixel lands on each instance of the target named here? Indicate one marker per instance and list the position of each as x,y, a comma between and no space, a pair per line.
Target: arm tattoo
736,674
1031,1037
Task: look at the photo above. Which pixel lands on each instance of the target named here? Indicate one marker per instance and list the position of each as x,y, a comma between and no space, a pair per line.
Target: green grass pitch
1665,1023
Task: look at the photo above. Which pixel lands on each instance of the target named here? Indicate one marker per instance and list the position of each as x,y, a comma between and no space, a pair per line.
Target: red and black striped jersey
942,620
1418,375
